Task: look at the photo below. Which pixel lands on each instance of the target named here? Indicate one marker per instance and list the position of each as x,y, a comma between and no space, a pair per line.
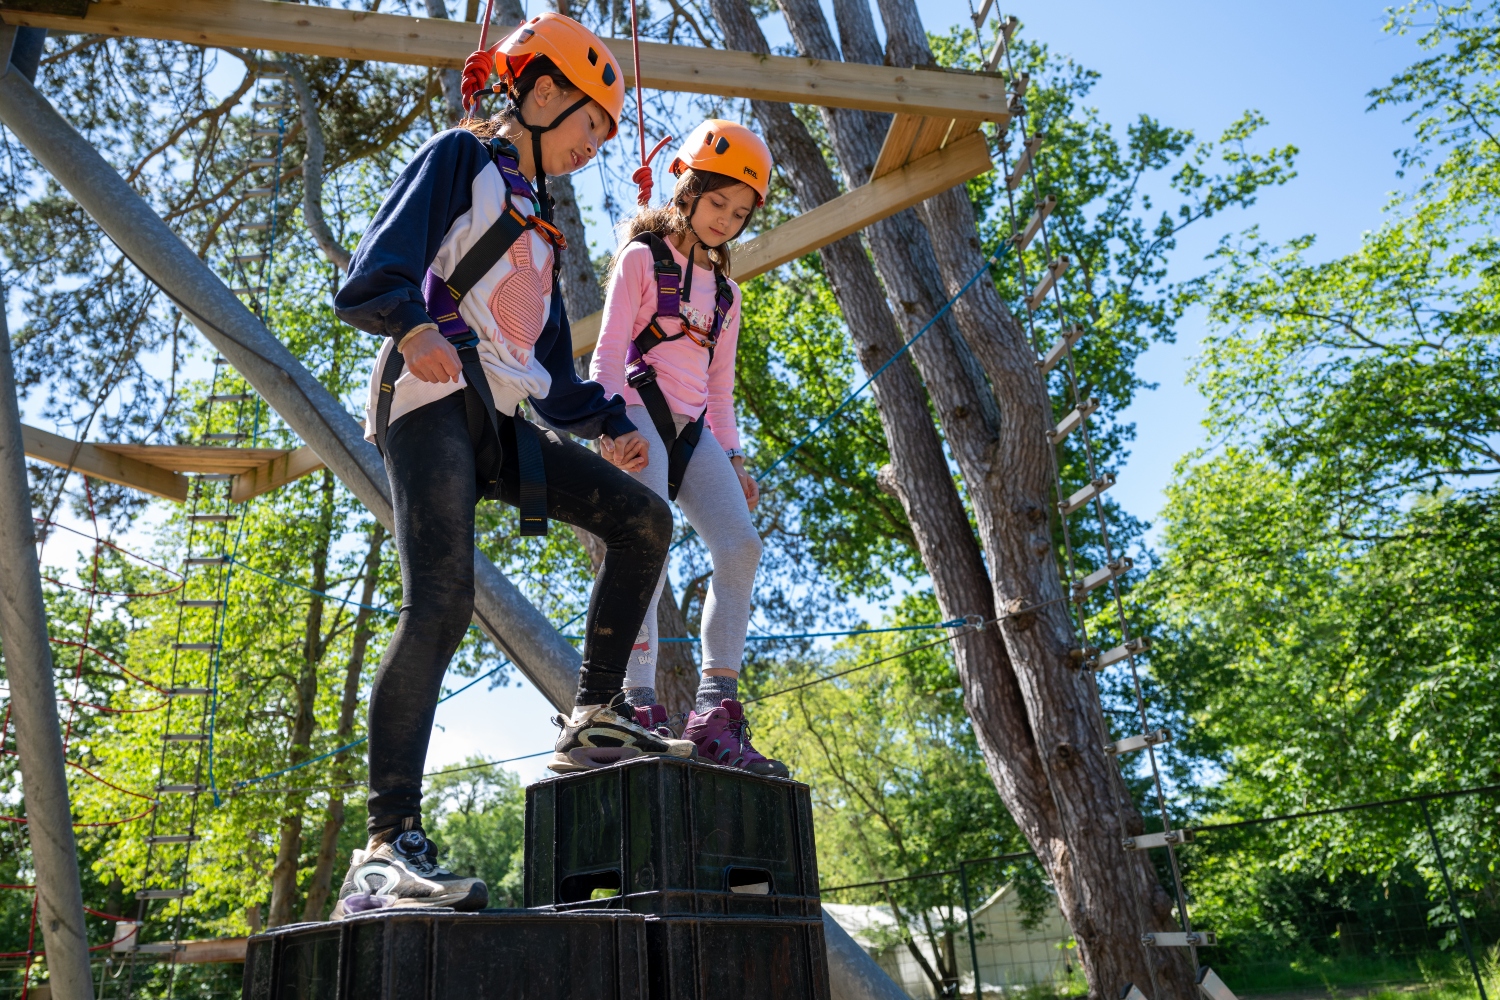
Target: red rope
479,65
117,711
100,541
110,660
112,593
21,820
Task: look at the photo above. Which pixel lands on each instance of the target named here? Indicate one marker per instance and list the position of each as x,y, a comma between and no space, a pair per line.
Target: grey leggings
715,506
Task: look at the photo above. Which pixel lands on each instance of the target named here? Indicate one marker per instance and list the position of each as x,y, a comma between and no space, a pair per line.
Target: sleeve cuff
616,424
406,318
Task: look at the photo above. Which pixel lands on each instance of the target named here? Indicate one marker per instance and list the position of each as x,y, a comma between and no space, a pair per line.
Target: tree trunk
1000,444
304,720
320,886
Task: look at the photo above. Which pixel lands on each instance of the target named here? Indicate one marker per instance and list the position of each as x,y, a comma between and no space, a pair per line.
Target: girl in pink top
667,344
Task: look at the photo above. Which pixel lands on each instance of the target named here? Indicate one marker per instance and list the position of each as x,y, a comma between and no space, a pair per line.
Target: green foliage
1326,591
478,818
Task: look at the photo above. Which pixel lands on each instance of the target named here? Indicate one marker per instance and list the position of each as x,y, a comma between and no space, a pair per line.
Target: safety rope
642,175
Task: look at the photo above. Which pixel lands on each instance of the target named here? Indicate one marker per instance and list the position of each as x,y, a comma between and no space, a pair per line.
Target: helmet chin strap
537,131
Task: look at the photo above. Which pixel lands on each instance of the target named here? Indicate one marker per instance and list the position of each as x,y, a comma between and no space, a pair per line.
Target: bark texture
1036,717
451,79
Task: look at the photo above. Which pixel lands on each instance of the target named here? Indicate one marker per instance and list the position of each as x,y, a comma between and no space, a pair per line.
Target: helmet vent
722,146
609,75
593,56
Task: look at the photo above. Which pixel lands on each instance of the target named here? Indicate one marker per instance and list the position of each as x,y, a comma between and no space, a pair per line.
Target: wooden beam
281,470
354,34
92,460
197,458
848,213
912,137
213,950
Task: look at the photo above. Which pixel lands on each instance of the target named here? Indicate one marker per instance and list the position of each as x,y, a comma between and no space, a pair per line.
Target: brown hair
671,219
536,68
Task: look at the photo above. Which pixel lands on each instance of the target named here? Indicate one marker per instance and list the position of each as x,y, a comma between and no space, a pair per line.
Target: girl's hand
628,451
430,357
747,482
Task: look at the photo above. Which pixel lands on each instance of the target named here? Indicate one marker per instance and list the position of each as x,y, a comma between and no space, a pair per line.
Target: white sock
581,712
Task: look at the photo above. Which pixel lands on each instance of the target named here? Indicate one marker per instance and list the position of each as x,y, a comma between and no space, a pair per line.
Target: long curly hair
671,219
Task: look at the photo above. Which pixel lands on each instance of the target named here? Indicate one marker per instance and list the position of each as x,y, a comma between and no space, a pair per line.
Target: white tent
1010,954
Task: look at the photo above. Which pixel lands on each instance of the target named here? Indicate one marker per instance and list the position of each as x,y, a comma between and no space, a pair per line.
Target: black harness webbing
479,403
641,377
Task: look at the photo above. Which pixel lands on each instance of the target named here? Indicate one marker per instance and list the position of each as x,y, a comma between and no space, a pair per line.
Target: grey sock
640,697
712,690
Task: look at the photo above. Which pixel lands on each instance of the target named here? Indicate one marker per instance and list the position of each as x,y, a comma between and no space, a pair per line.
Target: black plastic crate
719,904
441,955
661,832
747,958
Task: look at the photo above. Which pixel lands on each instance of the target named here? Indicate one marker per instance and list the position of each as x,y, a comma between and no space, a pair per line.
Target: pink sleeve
622,303
721,419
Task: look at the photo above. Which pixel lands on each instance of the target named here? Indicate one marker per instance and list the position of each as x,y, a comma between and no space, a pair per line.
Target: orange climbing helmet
575,50
729,148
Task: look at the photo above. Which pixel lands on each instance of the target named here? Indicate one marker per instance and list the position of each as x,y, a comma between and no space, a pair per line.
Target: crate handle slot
755,881
582,885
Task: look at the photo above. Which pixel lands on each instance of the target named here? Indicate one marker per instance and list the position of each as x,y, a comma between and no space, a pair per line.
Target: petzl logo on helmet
751,172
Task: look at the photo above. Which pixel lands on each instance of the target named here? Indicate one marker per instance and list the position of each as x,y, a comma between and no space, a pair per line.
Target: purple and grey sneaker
722,736
653,719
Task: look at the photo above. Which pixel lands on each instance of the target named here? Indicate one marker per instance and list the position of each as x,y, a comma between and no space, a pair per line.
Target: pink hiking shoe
653,719
723,737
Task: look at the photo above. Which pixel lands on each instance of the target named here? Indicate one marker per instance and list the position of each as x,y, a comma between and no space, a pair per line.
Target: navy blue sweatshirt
441,203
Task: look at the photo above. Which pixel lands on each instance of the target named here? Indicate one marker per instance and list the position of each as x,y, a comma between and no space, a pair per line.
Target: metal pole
1463,928
502,611
33,706
963,881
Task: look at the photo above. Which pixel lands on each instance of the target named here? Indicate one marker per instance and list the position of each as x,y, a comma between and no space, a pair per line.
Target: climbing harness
640,376
442,298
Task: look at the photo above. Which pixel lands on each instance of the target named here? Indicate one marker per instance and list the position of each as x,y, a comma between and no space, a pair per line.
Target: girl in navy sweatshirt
458,271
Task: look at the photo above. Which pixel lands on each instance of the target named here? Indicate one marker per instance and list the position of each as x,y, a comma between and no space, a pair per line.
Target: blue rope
319,593
989,261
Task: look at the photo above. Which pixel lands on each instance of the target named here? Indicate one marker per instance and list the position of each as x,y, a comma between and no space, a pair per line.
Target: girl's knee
737,552
649,520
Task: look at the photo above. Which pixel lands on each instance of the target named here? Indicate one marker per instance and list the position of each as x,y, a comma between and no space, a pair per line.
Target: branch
312,170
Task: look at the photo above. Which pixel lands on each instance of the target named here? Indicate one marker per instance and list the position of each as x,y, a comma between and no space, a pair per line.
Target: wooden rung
1007,28
1101,576
1023,162
189,692
258,192
255,290
173,838
1179,939
1059,349
1056,269
1212,987
226,436
195,647
1087,494
254,227
232,397
180,790
1149,840
1140,742
206,561
984,12
1073,420
265,133
261,161
1123,651
186,738
200,604
163,893
1023,239
159,947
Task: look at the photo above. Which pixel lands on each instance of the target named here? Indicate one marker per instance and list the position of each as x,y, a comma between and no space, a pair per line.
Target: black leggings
431,467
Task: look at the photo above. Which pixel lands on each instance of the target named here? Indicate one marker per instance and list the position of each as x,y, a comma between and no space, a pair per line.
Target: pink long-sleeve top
687,379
